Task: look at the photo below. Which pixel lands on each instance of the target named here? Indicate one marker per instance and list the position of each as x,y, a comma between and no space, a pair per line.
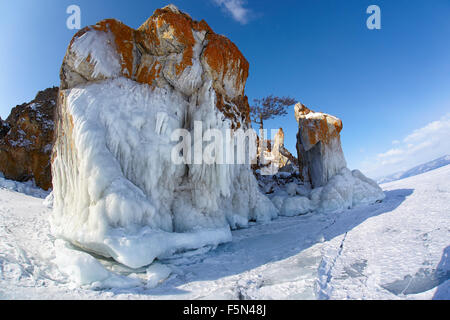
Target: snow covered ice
396,249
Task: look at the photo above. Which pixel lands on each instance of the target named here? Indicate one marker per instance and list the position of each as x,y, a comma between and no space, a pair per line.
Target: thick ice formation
345,190
117,191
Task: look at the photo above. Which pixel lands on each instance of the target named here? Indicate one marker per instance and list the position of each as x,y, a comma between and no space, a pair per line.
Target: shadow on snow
268,243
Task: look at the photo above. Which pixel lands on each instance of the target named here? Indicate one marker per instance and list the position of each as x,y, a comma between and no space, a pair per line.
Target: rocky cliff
26,139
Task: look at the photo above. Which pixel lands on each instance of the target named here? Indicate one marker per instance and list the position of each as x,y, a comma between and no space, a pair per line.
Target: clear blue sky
384,84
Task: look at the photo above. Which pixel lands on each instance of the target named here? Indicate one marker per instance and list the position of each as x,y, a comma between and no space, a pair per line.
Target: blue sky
391,87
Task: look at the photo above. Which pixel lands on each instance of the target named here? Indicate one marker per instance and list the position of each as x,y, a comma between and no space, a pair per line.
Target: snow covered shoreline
397,249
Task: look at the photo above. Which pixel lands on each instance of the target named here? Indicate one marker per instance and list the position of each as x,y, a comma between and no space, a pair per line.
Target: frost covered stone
322,163
319,148
117,191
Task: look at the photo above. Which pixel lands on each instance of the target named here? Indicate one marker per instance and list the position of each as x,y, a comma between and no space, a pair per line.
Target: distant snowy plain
396,249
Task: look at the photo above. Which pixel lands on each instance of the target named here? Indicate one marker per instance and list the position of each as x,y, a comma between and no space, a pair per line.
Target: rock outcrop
323,182
272,155
26,139
280,154
124,94
319,150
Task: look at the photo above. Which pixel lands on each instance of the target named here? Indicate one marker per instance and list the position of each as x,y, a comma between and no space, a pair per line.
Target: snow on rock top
117,191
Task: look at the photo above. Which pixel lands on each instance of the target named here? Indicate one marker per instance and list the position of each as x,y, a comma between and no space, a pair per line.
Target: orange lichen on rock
319,150
239,106
225,59
316,126
300,110
244,108
226,64
177,26
159,52
148,74
323,128
124,41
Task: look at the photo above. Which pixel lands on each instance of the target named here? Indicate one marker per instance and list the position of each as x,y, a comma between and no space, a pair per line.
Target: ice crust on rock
319,147
99,46
120,195
84,270
117,191
346,190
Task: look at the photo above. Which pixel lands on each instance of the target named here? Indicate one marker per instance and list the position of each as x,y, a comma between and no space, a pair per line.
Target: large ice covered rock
323,183
319,148
124,93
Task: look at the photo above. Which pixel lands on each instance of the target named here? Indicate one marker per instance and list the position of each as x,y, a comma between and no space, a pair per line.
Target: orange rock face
316,126
168,48
26,139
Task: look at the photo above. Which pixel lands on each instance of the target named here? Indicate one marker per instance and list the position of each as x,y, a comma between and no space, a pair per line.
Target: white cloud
236,9
390,153
422,145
